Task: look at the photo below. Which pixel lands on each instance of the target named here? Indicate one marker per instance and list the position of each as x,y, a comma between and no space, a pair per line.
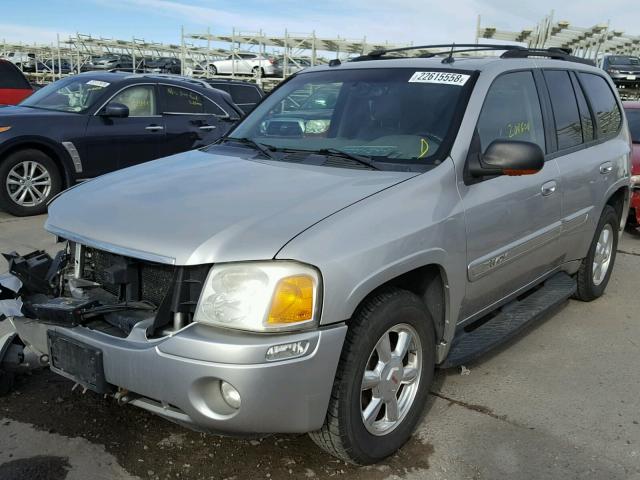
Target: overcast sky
397,21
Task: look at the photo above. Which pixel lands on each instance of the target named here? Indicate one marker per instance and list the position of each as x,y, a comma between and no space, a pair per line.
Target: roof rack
510,51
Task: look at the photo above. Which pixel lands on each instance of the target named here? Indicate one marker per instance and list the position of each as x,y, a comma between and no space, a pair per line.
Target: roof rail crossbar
553,53
469,47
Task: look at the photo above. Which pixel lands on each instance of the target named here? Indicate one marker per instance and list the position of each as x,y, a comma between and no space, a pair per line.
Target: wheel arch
431,284
619,199
57,155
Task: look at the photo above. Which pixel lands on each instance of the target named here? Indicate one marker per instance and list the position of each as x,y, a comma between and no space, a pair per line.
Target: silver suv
310,271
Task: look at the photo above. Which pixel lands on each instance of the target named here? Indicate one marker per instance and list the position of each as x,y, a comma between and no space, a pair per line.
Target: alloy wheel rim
602,257
28,183
391,379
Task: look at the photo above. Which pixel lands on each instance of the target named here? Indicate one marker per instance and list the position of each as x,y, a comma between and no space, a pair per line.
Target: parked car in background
14,87
245,95
111,62
624,70
93,123
310,276
293,65
21,59
243,64
632,109
55,66
164,65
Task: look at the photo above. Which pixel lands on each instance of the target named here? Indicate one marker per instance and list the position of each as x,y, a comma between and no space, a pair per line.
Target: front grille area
127,278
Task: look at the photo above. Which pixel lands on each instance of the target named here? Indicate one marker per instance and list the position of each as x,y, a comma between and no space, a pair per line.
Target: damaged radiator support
121,291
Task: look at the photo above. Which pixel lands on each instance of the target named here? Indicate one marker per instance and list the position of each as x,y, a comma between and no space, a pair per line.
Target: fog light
287,350
635,181
230,395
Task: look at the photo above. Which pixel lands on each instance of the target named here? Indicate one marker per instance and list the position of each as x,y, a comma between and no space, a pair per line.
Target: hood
199,207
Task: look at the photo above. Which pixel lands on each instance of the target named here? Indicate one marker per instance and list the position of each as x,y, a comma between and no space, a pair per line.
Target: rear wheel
595,270
258,72
213,70
383,379
28,180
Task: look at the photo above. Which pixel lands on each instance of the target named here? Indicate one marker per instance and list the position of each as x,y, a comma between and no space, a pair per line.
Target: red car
632,110
13,86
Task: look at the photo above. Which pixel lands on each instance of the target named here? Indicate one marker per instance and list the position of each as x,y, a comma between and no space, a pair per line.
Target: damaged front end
91,288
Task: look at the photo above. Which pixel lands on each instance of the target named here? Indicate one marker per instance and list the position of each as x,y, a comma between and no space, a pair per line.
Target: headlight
260,296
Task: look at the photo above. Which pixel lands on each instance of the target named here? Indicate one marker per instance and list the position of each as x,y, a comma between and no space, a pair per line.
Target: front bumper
178,377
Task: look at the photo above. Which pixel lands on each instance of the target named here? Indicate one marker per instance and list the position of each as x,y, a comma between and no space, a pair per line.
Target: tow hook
122,397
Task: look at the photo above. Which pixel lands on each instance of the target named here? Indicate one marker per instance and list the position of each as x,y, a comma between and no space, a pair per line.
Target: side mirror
117,110
508,157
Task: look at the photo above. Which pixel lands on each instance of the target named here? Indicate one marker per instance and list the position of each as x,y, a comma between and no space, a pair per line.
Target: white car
243,63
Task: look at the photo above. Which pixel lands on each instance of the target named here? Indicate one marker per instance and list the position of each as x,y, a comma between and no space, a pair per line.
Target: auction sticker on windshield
98,83
444,78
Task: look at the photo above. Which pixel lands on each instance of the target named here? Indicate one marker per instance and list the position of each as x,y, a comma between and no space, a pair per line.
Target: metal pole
59,58
182,50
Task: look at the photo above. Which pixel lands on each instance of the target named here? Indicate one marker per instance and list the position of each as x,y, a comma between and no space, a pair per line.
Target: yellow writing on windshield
518,128
424,148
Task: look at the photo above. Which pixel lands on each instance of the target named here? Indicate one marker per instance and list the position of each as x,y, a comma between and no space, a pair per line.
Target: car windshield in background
624,60
74,94
400,116
633,119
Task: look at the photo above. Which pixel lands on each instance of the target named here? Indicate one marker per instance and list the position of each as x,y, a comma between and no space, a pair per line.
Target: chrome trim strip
576,220
485,265
118,250
75,156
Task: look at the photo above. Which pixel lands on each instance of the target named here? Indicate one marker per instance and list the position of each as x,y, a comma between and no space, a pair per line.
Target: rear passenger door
586,115
191,119
513,223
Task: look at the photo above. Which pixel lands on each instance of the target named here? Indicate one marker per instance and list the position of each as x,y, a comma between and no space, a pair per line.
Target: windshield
633,119
73,94
624,61
387,115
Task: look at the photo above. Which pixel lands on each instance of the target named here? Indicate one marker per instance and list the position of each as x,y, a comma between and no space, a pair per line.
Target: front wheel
383,379
595,269
28,180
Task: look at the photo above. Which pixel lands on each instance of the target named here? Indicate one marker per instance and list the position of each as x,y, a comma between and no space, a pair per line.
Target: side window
141,100
181,100
588,132
511,111
565,109
604,104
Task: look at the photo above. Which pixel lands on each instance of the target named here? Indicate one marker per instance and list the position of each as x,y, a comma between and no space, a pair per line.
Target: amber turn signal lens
4,129
292,300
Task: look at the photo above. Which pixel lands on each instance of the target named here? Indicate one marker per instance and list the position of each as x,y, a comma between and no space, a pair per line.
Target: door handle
208,127
549,188
154,128
606,168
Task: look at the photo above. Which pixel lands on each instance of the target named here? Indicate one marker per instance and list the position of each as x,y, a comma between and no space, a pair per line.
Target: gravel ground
559,401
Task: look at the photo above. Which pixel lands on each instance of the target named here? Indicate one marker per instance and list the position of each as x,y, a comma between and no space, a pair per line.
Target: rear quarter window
244,94
603,102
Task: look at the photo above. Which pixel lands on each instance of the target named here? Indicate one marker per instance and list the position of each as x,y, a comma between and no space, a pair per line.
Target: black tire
6,165
587,289
344,434
258,72
213,70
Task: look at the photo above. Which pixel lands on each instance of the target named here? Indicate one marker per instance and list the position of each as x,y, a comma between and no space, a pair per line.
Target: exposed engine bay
100,290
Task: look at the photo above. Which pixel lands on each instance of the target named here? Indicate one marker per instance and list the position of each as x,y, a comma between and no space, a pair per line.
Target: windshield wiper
351,156
266,150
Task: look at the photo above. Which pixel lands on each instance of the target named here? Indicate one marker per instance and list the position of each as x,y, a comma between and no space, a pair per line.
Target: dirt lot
560,401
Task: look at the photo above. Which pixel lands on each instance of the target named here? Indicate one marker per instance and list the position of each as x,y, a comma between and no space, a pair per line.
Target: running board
510,319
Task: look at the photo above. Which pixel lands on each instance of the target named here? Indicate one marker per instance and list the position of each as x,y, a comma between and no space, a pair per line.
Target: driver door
513,222
114,143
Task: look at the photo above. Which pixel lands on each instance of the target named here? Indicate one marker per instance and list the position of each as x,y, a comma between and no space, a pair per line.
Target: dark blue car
93,123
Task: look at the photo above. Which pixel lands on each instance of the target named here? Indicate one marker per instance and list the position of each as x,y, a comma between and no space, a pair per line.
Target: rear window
244,94
604,104
181,100
565,109
10,77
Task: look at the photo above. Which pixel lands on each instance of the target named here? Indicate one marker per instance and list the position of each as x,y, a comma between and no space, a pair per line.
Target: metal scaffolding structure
586,42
